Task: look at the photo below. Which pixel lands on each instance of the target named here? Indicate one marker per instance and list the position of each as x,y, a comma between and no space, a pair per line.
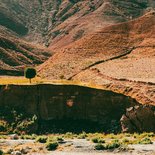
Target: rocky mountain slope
103,41
15,54
57,23
130,40
117,55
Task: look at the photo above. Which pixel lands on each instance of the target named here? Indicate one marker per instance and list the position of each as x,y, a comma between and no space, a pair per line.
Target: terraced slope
107,44
15,54
112,56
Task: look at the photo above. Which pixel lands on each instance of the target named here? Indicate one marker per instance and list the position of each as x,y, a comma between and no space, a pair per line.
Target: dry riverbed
79,144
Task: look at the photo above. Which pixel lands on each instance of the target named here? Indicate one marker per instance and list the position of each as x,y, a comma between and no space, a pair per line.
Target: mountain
57,23
119,57
130,40
108,43
15,54
80,31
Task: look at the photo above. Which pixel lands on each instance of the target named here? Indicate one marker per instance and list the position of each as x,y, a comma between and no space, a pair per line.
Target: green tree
1,152
30,73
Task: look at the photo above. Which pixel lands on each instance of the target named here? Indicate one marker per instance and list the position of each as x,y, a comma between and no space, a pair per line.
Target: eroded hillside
57,23
98,41
116,56
16,53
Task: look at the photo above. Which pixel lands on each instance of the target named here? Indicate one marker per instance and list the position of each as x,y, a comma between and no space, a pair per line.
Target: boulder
139,119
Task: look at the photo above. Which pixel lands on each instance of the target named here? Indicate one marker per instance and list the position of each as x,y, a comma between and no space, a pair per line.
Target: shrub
28,125
51,145
127,134
112,136
59,139
62,77
145,141
3,126
33,136
83,135
69,135
30,73
41,139
115,141
17,121
151,134
99,147
125,140
98,140
112,145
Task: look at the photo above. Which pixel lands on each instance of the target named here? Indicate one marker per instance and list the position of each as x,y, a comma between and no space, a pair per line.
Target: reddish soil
17,53
122,51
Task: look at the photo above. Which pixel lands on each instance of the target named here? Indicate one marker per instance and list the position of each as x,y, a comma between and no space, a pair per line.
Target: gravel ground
78,147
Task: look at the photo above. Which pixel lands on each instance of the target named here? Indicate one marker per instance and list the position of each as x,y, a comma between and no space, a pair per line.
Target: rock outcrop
78,103
68,102
139,118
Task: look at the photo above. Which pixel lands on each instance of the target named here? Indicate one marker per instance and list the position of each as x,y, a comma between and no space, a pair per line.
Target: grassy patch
98,140
70,135
145,141
18,80
51,145
112,145
6,80
83,135
99,147
41,139
32,137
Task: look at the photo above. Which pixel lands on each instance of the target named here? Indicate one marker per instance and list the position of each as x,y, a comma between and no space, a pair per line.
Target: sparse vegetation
125,140
51,145
112,145
59,139
103,142
69,135
17,122
83,135
3,126
42,139
145,141
28,125
99,147
98,140
107,146
33,136
62,77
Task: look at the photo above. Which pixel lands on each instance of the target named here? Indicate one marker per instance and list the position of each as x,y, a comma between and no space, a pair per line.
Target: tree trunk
30,80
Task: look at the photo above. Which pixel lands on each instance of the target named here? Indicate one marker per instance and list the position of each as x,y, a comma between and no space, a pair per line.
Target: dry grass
6,80
18,80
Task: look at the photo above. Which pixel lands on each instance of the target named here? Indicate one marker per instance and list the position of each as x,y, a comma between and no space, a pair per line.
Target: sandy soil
74,147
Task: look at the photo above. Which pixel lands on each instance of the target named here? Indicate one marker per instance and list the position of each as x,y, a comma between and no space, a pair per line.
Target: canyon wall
60,102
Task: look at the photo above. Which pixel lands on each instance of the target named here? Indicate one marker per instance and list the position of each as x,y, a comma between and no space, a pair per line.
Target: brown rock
138,119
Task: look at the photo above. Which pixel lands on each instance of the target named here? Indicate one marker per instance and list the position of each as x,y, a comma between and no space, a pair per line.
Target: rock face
68,102
138,118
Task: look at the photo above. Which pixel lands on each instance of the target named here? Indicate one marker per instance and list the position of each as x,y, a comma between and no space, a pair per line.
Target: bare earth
74,147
